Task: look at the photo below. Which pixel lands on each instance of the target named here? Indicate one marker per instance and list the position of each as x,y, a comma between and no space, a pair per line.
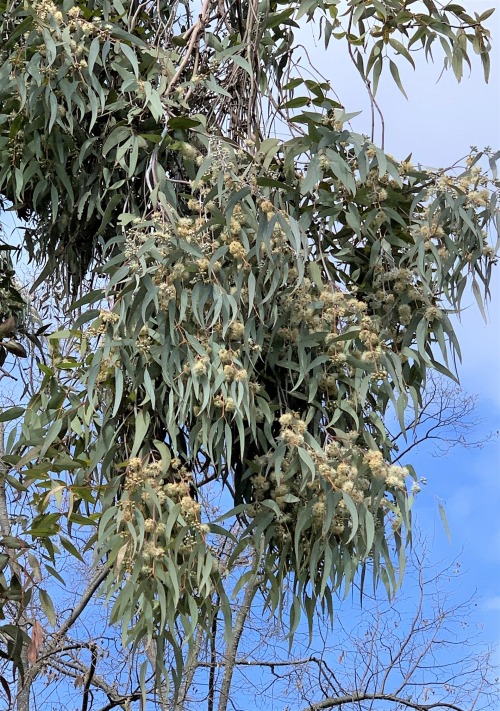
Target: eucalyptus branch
373,103
193,33
232,645
357,698
88,679
189,671
5,527
56,639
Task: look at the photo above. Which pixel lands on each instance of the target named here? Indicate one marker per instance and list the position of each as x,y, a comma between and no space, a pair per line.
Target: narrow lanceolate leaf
47,606
12,413
444,519
395,75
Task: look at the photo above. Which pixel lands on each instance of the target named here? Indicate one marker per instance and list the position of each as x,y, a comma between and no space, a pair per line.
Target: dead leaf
8,327
15,348
35,642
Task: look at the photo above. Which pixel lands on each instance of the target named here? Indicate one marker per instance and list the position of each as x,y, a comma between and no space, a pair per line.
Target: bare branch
356,698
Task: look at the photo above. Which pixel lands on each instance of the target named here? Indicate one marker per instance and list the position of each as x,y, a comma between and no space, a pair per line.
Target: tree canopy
250,289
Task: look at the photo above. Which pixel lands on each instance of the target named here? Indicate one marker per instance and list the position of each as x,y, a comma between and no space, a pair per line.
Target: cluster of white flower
170,487
343,467
50,14
59,22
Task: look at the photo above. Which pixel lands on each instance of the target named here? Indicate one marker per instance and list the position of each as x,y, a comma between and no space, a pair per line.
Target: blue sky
438,124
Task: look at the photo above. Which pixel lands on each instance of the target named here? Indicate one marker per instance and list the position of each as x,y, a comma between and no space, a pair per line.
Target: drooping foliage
263,302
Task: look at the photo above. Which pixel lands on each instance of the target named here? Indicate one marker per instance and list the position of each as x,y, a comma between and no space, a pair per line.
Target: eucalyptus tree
247,309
